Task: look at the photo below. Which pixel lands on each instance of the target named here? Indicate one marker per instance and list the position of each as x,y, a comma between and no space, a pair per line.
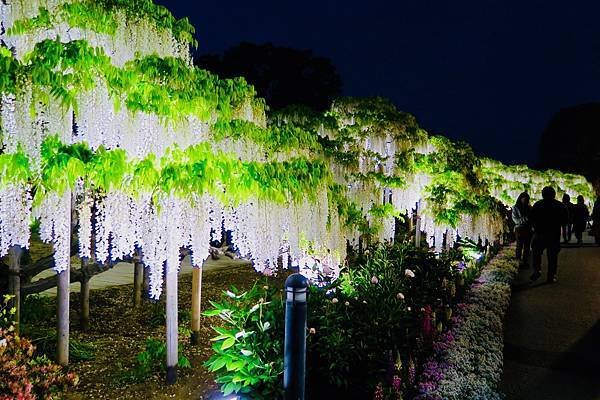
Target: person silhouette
520,216
581,215
547,216
567,228
596,218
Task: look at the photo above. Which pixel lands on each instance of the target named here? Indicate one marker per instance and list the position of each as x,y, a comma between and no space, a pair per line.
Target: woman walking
581,215
520,215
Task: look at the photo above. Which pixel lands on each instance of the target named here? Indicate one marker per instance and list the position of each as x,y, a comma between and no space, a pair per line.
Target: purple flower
397,384
379,394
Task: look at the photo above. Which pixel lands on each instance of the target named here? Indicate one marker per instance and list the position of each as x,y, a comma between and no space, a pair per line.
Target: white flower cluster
132,37
263,232
15,217
54,214
139,134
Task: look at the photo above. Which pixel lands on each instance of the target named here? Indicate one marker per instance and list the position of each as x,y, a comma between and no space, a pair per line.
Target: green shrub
249,348
153,359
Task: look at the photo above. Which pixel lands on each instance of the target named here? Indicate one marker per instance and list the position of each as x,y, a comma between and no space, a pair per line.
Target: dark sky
489,72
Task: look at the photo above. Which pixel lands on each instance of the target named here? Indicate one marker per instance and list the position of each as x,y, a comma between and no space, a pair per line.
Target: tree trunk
172,324
196,304
14,283
138,279
146,285
84,298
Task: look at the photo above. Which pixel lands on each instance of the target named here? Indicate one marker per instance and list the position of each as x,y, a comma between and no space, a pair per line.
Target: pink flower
334,300
374,280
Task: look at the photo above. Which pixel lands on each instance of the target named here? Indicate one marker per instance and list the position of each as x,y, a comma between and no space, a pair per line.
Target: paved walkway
122,273
552,332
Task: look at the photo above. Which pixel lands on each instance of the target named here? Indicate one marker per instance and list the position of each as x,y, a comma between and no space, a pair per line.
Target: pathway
552,332
122,273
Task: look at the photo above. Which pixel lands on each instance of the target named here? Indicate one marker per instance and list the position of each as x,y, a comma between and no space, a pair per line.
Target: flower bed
467,360
370,332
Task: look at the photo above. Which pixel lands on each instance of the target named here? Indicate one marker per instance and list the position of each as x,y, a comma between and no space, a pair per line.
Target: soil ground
118,333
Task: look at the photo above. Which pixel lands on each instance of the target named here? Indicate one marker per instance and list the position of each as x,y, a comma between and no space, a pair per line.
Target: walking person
521,212
581,216
567,228
547,217
596,218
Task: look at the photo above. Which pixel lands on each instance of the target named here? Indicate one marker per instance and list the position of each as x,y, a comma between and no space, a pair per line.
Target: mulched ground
118,332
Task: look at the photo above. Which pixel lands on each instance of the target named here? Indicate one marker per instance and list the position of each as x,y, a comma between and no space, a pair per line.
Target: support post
62,348
14,283
84,298
63,299
196,304
294,361
418,232
172,324
138,279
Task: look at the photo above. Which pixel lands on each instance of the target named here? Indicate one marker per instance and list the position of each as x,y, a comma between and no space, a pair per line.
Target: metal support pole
418,232
294,365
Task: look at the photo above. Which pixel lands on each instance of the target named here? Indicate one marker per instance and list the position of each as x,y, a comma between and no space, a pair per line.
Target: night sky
489,72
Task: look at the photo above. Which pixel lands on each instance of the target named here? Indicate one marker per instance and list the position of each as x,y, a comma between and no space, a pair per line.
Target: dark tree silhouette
283,76
571,142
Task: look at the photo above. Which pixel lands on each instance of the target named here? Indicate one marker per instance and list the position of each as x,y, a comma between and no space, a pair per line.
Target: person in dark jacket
567,228
596,218
520,216
581,216
547,216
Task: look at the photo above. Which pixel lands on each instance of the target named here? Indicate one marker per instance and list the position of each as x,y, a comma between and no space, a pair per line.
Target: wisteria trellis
107,115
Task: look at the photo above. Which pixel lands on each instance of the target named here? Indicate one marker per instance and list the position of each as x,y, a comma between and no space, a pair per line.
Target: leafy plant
153,359
248,349
45,341
26,376
7,313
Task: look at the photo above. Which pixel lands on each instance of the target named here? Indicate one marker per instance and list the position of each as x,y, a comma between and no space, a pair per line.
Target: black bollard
294,364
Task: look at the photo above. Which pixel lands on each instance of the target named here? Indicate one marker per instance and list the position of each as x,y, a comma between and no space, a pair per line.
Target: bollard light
294,364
